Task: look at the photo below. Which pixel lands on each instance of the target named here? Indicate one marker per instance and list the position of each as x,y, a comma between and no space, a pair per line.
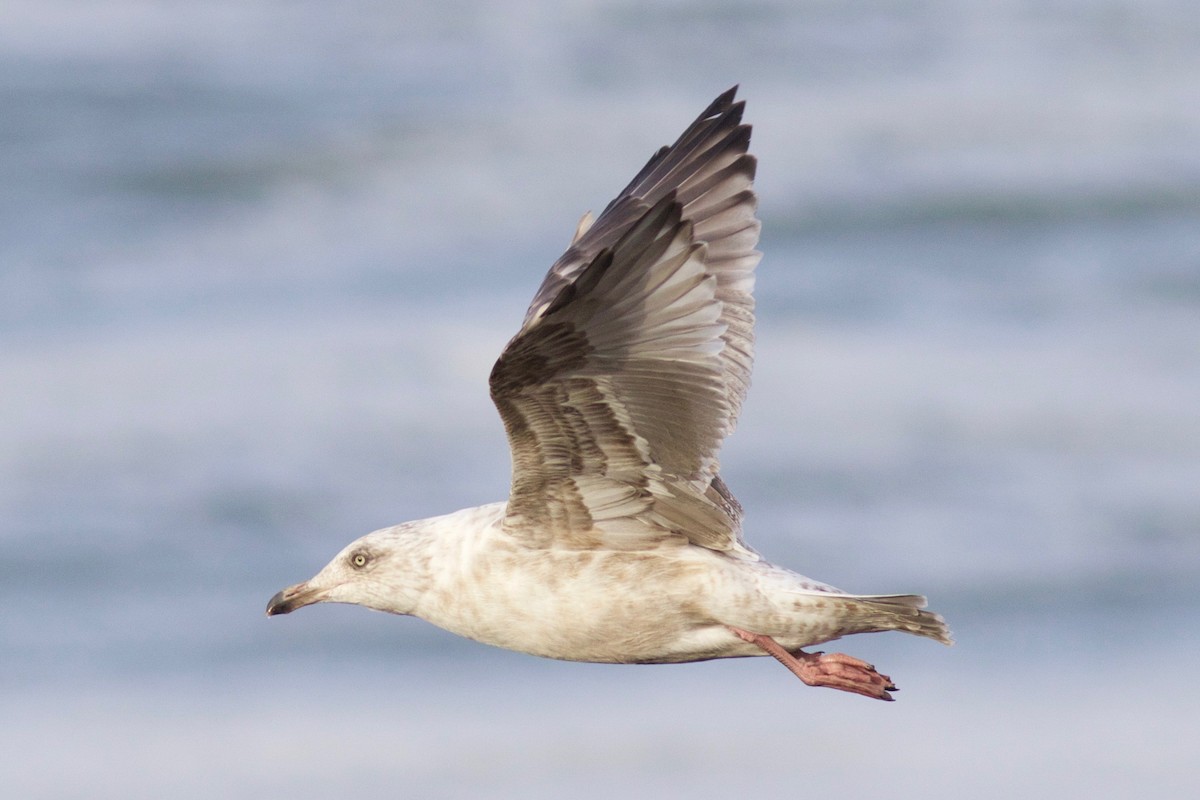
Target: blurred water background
256,259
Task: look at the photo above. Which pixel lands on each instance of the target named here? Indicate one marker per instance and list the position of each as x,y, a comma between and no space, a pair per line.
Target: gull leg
835,670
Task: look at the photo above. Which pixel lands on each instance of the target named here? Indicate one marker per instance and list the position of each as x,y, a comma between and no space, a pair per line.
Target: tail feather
897,612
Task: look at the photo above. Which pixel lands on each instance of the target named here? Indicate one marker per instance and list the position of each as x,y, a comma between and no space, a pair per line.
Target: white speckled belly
658,606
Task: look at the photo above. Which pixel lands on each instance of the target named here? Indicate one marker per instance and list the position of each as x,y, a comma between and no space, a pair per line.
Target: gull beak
293,597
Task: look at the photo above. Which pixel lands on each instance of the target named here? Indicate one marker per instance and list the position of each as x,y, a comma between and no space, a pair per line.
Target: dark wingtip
723,103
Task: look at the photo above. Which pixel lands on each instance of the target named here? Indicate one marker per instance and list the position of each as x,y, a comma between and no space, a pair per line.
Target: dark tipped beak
292,598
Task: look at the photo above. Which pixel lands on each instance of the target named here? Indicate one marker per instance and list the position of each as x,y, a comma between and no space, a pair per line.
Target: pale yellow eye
359,559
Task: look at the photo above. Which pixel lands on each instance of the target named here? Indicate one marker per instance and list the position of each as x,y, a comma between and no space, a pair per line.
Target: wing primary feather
634,356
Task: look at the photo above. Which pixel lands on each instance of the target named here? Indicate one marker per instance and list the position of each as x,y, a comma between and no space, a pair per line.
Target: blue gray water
256,259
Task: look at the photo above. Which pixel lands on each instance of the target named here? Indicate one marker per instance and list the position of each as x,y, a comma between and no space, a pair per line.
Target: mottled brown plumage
619,541
634,357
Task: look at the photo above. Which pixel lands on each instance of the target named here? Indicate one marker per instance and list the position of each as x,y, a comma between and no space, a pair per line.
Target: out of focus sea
256,259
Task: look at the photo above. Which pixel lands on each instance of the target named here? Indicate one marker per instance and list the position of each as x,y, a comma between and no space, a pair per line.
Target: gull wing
634,357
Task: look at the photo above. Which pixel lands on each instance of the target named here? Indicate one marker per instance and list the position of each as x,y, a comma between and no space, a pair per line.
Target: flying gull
619,542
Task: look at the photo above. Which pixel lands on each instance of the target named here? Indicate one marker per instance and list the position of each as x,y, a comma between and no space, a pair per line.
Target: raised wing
634,357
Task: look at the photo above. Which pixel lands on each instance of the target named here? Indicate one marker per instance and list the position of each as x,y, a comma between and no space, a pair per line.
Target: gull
620,542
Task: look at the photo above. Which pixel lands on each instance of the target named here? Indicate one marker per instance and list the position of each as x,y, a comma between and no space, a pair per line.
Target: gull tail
869,613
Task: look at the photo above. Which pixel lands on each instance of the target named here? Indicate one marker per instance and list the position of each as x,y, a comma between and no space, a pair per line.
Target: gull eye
359,559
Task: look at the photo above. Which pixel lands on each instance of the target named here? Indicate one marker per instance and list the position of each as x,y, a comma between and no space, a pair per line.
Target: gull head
385,570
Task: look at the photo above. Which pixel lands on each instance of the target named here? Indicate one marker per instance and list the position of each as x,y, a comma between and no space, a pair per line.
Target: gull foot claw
835,670
840,671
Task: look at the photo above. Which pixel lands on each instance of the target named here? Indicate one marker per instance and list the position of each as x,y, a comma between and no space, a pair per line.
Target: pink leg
836,670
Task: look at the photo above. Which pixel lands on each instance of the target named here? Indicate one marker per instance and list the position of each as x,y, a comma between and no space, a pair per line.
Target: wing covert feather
634,357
